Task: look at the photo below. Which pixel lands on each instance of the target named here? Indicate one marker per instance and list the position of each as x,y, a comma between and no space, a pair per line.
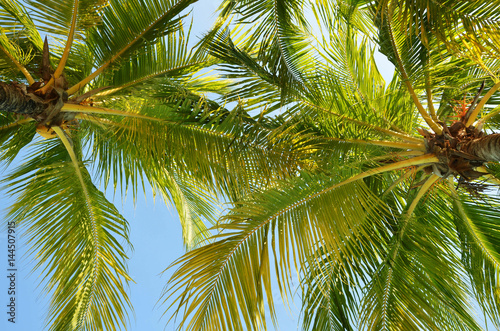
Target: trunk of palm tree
15,98
487,148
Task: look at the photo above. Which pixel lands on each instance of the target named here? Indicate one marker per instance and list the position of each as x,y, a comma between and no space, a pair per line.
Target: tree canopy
379,196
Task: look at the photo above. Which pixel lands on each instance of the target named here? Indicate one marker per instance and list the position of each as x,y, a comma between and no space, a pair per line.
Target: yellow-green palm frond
121,34
16,21
20,42
15,134
420,261
279,40
348,94
168,58
468,29
248,72
228,144
61,16
289,220
329,14
478,224
76,237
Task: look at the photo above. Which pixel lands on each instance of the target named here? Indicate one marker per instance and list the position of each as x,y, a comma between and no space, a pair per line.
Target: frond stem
393,144
368,125
433,125
74,108
428,92
140,80
481,104
13,124
81,109
67,48
385,302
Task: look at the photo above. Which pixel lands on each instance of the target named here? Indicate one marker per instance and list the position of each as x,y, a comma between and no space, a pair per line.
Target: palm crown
372,193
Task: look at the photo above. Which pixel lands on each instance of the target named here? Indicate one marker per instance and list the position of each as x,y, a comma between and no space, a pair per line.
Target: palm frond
477,223
120,34
15,55
230,146
20,40
74,236
15,134
466,28
168,58
12,15
292,220
278,39
61,16
413,274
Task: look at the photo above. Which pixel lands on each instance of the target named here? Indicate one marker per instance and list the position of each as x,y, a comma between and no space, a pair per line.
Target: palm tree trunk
486,148
15,99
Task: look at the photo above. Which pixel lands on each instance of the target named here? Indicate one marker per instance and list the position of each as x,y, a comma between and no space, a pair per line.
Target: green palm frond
120,35
350,67
21,44
231,142
74,232
15,134
61,12
292,219
413,272
196,205
466,28
248,72
233,155
348,95
16,22
330,297
355,13
168,58
121,32
278,39
478,224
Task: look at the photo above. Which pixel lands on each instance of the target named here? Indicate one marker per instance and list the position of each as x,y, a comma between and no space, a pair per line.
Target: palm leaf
61,15
15,134
73,232
168,58
278,39
295,219
119,34
477,224
419,259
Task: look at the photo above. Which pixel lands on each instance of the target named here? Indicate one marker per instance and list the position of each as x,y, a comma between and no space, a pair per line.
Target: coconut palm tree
396,228
112,93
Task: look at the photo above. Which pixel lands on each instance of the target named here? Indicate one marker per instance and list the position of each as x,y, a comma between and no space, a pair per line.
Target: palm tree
396,226
112,93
